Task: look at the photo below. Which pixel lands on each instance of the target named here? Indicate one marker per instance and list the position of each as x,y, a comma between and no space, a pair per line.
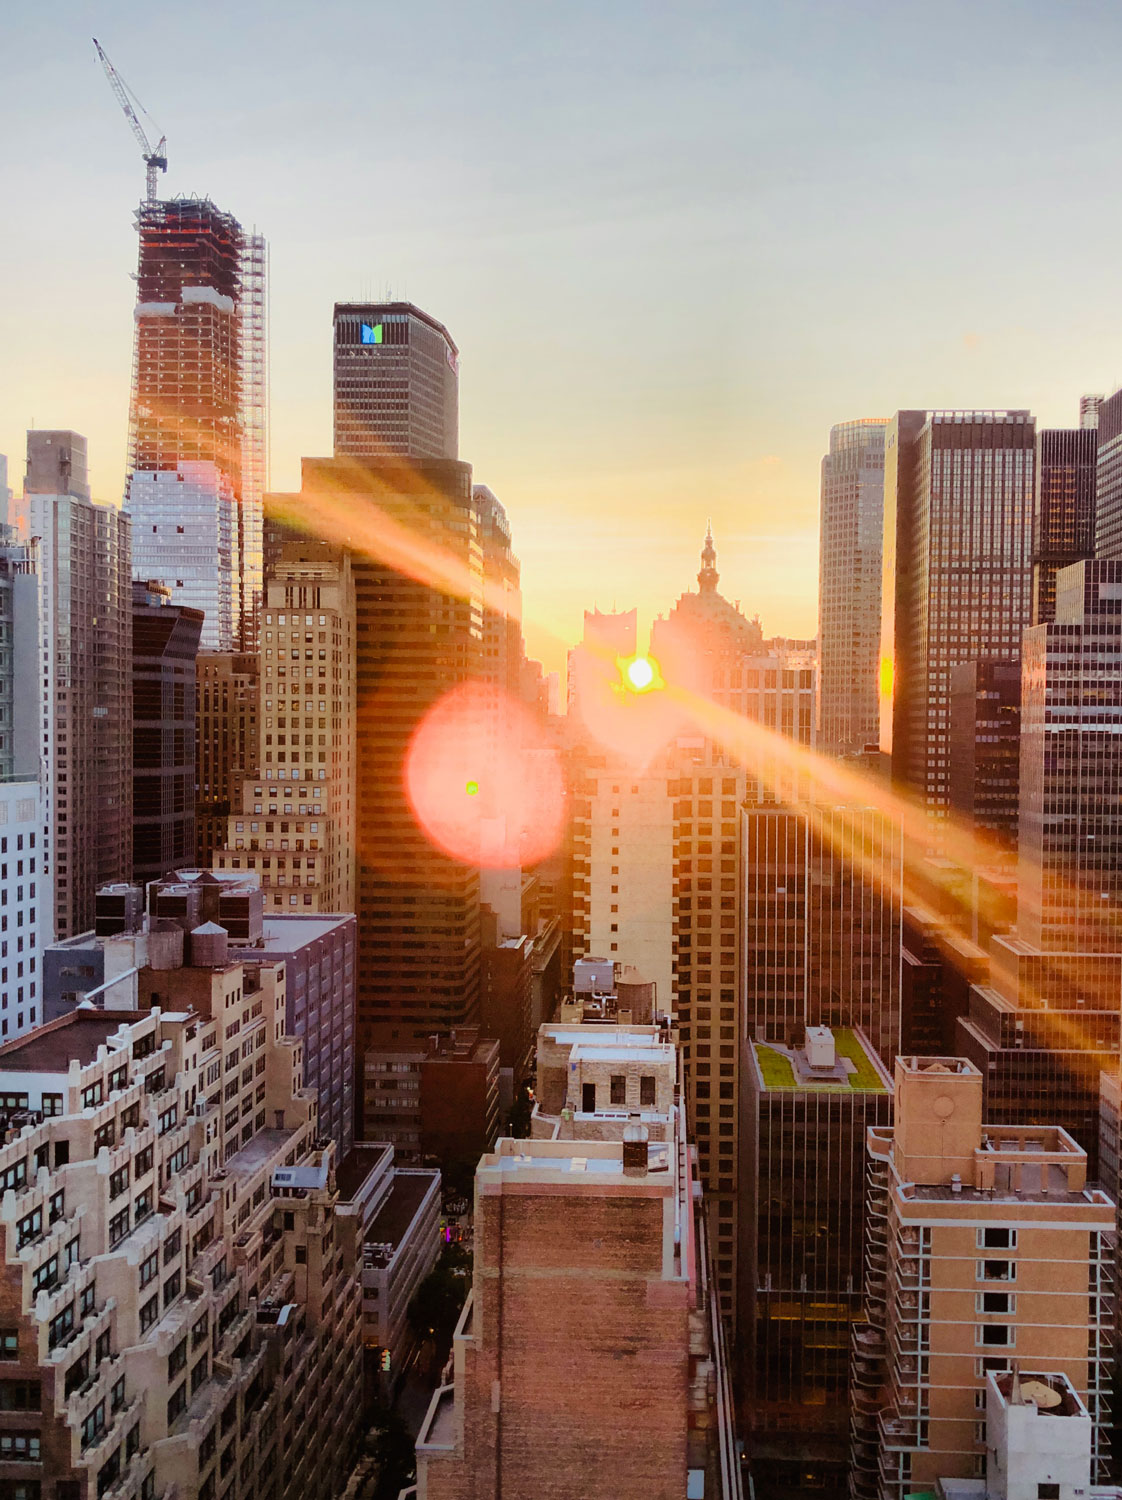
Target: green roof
778,1073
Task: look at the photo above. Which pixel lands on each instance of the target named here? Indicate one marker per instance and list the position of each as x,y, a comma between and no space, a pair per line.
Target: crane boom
155,158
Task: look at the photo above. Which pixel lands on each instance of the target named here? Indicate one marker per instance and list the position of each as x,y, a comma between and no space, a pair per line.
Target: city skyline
568,233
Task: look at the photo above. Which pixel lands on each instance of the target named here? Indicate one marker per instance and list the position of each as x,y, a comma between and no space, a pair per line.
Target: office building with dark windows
227,746
165,644
806,1110
958,490
1064,509
397,383
985,751
849,583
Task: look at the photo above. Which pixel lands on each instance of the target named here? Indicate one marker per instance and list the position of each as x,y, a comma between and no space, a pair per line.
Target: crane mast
155,157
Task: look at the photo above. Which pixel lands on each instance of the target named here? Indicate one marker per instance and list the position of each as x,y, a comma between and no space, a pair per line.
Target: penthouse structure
196,476
801,1264
985,1251
178,1280
601,1198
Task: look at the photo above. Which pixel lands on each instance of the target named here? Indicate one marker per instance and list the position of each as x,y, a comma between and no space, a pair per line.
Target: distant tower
1089,410
197,425
397,381
849,584
1064,508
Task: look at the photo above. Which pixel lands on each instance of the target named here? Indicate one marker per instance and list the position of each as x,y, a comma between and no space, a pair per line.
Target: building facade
396,383
182,1307
165,644
1108,479
984,737
295,825
85,616
957,575
801,1263
1064,509
851,523
227,744
599,1199
985,1251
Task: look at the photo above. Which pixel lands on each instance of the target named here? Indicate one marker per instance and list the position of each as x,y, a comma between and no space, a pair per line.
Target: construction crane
155,159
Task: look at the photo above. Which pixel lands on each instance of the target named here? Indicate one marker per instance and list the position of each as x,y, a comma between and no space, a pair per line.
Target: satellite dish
1041,1395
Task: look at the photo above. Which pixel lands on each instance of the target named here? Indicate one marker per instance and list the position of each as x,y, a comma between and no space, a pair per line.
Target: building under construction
197,470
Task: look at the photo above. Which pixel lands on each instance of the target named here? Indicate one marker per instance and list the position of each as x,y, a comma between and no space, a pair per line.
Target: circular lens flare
641,674
512,815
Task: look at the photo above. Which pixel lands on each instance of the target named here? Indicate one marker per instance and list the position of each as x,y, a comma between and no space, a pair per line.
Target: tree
439,1300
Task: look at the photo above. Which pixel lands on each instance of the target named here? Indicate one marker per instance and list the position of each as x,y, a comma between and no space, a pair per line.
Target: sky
673,242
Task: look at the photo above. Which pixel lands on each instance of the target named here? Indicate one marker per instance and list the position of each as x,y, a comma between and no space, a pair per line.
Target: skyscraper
165,643
418,909
227,745
396,383
1064,509
1108,480
197,423
806,1109
958,490
86,634
502,605
985,750
849,585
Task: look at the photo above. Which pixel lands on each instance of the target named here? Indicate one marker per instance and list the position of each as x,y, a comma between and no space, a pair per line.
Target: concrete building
851,523
958,488
985,750
805,1113
293,821
316,954
165,643
395,1214
227,744
396,383
506,1010
85,617
1064,509
181,1309
1108,480
985,1251
196,473
590,1258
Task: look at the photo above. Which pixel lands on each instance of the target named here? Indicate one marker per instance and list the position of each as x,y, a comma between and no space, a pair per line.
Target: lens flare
513,815
641,674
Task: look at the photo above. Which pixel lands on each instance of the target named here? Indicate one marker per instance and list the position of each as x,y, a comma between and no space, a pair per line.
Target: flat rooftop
778,1068
357,1166
286,934
255,1153
393,1219
50,1048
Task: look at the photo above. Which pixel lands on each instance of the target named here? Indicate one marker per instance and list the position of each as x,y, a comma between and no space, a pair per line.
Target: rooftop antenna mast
155,158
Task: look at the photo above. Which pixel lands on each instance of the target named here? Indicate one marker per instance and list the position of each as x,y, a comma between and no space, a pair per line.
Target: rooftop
357,1166
284,934
859,1069
392,1221
50,1048
264,1145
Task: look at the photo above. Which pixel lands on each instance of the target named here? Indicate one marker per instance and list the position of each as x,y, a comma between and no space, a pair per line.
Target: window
647,1090
94,1425
994,1238
20,1395
149,1313
9,1343
1048,1490
995,1333
117,1394
997,1270
995,1302
19,1447
618,1089
118,1227
61,1326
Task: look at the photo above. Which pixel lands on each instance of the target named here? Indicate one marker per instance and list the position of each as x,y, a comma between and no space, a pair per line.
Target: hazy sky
674,242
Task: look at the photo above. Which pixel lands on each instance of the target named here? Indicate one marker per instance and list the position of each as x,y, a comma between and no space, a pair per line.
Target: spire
707,578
